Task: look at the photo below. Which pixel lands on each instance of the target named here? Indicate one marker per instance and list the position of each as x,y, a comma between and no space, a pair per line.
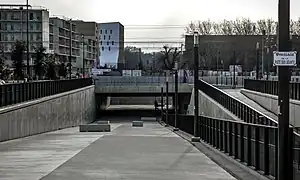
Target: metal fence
237,107
271,87
254,145
20,92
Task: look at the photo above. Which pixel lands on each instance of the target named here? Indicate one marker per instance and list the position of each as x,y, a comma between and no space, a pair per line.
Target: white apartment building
111,45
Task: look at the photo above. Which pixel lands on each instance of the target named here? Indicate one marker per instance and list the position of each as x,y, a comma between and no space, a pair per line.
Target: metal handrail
239,101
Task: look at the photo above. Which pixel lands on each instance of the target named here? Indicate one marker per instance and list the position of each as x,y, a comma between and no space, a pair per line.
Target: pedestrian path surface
152,152
238,95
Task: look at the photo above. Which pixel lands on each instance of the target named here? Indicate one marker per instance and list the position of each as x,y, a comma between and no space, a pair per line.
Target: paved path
148,153
237,94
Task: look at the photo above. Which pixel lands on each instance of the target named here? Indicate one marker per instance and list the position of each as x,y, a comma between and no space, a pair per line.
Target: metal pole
176,96
27,34
218,58
268,63
70,52
257,61
284,160
196,94
234,64
263,51
162,102
83,61
167,101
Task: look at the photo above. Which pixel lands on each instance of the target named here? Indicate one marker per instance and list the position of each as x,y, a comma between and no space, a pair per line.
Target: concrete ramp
209,107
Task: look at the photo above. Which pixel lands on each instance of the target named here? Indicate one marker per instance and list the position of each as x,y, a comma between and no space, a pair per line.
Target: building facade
13,27
111,45
65,41
89,32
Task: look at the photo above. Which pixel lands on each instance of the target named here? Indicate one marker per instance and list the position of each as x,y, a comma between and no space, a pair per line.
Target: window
110,31
109,48
113,42
102,48
105,31
38,26
101,31
31,26
100,42
12,27
31,37
109,37
104,37
12,37
31,16
107,42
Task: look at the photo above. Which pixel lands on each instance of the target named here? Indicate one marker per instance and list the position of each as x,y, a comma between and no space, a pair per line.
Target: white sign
285,58
136,72
126,72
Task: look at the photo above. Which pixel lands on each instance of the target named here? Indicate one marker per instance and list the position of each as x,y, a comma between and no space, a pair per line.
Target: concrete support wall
209,107
270,102
48,114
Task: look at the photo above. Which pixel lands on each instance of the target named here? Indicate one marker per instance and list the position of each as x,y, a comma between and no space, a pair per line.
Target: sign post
283,59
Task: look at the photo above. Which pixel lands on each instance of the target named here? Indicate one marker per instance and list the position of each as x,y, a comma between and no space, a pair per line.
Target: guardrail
21,92
237,107
271,87
254,145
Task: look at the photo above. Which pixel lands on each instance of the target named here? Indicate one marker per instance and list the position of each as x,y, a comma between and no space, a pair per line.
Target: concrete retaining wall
270,102
209,107
48,114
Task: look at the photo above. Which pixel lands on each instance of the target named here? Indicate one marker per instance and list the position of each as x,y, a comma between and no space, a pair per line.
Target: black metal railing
237,107
254,145
271,87
20,92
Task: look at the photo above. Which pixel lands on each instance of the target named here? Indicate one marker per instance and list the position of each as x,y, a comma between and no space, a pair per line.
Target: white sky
160,12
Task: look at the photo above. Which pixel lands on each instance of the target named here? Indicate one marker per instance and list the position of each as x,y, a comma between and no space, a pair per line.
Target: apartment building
112,45
89,32
13,28
65,41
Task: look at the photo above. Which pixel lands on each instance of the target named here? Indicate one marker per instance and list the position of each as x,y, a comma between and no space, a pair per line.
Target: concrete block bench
137,123
148,118
94,128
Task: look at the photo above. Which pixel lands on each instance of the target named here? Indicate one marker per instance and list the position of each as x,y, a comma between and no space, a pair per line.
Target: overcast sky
160,12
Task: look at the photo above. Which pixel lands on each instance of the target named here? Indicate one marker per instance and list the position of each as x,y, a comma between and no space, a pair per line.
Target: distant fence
252,144
271,87
20,92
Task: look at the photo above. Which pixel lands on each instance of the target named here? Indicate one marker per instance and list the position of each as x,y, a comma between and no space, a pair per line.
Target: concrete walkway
237,94
148,153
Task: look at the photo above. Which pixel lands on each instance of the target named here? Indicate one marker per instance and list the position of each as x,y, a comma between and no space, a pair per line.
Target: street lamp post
268,63
196,95
257,60
27,38
176,96
162,101
167,99
83,61
285,163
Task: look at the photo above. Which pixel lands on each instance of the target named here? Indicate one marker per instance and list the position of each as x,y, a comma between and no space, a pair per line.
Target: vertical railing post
257,148
266,151
242,144
249,149
236,154
230,139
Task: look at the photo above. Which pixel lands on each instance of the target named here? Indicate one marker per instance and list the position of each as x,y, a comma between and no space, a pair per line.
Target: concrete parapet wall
270,102
182,88
209,107
48,114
